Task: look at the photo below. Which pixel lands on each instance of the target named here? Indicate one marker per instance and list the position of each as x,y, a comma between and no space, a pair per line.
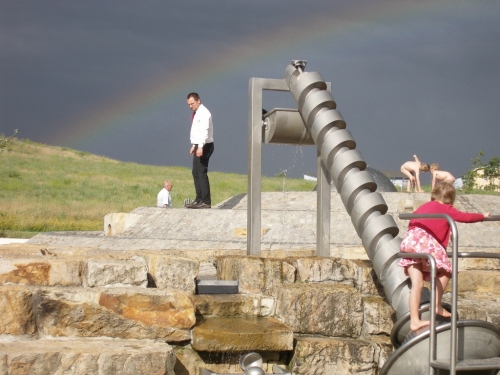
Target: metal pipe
454,273
346,165
433,333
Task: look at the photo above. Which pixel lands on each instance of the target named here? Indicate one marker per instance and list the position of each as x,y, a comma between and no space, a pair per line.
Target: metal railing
432,332
454,291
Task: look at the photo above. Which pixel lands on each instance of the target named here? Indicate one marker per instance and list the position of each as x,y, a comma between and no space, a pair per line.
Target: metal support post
254,158
323,196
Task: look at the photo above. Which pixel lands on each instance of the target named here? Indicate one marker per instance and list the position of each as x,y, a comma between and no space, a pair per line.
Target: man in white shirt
202,147
163,199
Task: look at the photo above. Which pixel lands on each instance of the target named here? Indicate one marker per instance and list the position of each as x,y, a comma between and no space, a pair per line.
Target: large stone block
383,349
42,272
478,281
16,311
234,305
358,273
365,278
174,272
116,273
240,334
379,316
117,312
328,356
480,263
256,275
319,269
325,309
477,306
86,356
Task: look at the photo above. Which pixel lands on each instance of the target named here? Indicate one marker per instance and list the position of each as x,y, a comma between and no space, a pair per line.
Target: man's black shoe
201,205
189,204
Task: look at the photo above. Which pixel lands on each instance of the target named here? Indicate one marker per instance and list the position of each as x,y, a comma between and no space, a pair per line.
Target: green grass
45,188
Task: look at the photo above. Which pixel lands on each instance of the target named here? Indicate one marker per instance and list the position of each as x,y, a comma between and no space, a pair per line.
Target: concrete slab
288,225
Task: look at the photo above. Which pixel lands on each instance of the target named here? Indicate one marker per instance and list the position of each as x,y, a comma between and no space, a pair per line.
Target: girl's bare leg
417,284
410,176
442,281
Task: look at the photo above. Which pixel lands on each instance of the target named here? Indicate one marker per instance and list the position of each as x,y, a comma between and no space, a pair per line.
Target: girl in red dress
431,236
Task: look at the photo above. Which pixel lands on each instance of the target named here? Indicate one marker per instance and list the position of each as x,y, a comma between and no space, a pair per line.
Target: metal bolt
300,65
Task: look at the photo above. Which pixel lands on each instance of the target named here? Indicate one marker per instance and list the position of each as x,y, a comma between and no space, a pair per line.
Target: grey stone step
208,286
86,356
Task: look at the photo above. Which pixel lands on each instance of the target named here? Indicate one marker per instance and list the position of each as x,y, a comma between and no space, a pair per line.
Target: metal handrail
454,289
432,332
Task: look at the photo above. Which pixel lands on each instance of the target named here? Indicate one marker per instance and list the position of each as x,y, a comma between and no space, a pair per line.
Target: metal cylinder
367,209
285,126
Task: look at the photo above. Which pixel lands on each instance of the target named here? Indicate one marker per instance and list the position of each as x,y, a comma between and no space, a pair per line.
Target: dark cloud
425,81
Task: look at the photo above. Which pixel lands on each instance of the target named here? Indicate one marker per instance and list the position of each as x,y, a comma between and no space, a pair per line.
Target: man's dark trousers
200,176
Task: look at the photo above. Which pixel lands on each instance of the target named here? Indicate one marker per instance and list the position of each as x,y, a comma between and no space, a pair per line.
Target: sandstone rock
477,306
378,316
234,305
43,272
256,275
16,311
241,334
318,269
174,272
478,281
383,349
480,263
117,312
116,273
86,356
365,278
328,356
325,309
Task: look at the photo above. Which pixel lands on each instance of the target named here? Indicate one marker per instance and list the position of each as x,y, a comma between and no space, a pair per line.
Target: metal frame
454,293
254,197
432,341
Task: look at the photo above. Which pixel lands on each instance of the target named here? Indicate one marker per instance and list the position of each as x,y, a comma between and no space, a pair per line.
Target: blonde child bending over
431,236
411,169
438,175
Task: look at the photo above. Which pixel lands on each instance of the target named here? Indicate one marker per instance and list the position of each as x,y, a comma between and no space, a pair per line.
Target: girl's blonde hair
443,192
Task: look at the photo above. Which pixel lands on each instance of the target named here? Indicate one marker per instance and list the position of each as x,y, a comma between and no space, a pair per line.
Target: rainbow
237,59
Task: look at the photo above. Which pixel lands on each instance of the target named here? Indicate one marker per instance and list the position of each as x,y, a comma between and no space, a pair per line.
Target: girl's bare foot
415,326
441,311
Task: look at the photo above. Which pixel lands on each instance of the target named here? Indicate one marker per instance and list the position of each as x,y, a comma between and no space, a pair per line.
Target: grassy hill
45,188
